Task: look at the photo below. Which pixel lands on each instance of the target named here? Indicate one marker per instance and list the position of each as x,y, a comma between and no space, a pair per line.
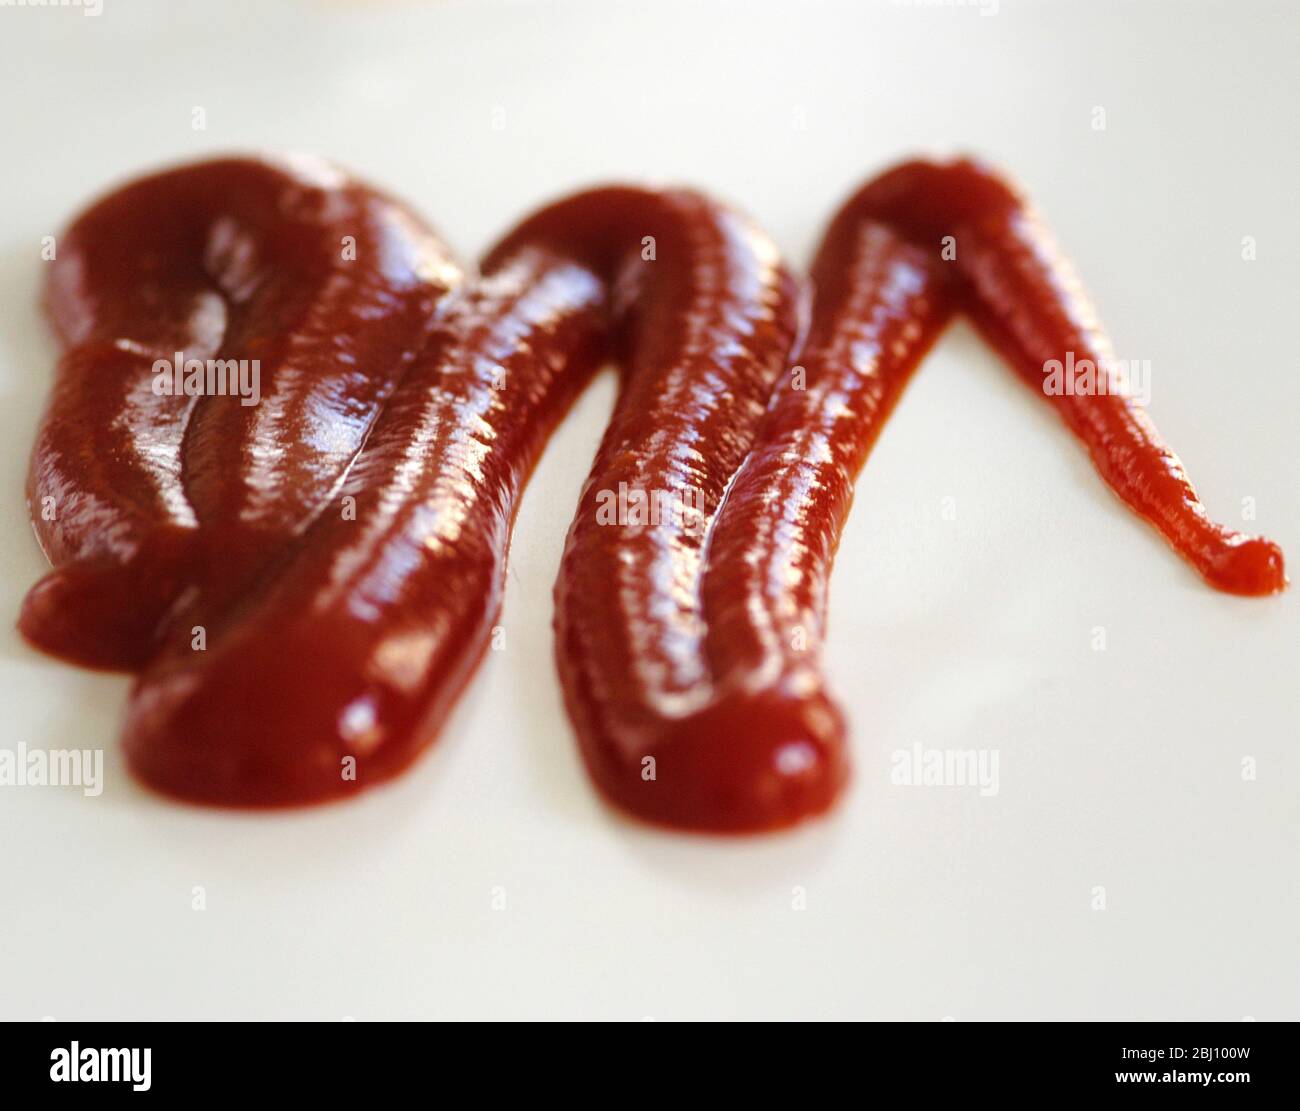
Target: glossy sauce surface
350,653
139,496
345,550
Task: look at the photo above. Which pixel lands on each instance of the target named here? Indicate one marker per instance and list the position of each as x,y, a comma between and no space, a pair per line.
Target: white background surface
1119,768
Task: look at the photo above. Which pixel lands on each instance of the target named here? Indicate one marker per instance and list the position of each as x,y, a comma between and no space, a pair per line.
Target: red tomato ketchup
305,584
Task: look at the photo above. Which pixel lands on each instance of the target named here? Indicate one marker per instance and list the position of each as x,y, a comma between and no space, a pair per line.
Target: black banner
337,1060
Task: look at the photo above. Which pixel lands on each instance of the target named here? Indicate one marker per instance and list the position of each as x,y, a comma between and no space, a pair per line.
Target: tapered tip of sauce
1249,565
267,719
750,764
90,616
185,741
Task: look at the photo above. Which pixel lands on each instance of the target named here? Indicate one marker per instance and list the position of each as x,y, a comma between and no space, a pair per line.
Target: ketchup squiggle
342,545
